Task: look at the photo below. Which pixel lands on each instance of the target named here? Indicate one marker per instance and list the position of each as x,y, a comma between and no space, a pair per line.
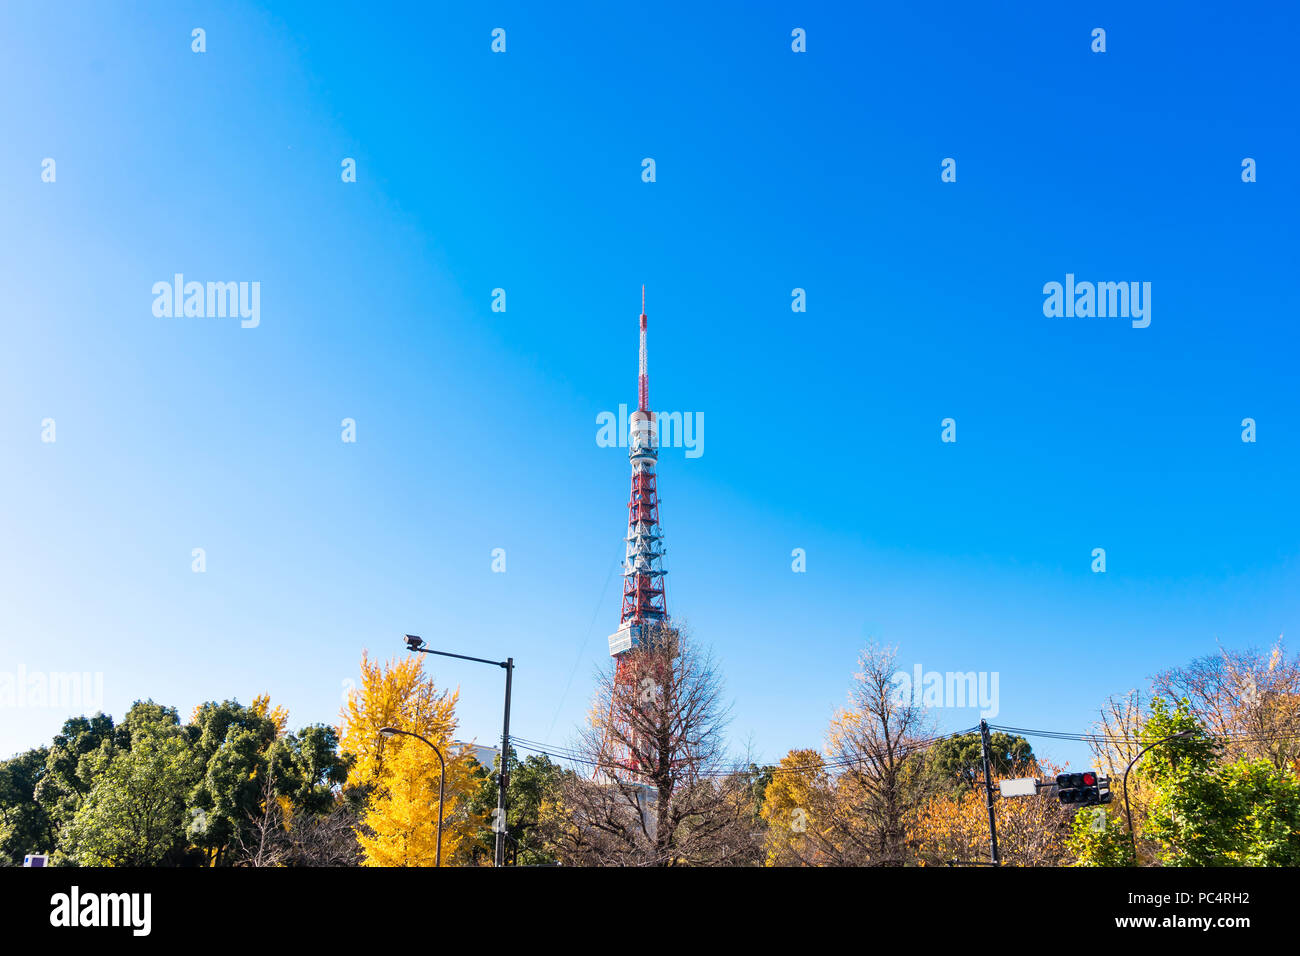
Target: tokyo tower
643,621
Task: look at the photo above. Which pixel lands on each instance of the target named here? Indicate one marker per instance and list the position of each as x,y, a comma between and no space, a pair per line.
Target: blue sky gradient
476,429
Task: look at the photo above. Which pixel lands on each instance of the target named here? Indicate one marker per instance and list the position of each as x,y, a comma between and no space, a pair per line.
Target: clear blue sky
476,429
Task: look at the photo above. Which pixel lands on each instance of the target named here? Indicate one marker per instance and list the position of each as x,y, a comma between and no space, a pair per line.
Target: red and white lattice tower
644,615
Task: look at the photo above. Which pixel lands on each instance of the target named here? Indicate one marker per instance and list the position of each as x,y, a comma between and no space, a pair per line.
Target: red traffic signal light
1084,788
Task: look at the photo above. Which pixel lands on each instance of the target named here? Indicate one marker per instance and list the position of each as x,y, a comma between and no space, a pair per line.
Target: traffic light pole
988,792
509,665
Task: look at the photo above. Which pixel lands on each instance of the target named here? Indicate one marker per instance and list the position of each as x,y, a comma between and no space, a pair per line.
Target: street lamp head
389,731
414,642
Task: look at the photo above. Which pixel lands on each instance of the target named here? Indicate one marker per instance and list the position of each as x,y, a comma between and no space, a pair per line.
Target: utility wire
583,646
850,760
576,756
1234,737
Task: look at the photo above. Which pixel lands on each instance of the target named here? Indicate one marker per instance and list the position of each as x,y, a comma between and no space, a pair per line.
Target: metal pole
415,643
988,791
442,783
509,665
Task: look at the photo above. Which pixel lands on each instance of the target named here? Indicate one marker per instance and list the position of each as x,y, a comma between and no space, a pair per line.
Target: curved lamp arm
1128,812
442,779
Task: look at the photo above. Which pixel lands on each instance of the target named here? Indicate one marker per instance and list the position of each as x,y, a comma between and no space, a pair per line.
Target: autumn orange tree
853,804
400,775
879,741
953,827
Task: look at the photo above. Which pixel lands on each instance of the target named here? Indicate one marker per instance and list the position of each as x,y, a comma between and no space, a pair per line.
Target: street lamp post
442,781
416,643
1128,812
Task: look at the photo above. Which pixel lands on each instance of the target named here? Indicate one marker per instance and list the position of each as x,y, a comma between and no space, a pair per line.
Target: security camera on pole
416,643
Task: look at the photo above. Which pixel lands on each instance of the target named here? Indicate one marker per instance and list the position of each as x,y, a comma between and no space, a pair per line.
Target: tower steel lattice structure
643,618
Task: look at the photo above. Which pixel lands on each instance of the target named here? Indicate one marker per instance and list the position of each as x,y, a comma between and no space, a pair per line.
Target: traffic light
1069,787
1085,788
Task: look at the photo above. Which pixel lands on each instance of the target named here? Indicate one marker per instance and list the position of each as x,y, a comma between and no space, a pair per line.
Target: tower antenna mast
643,374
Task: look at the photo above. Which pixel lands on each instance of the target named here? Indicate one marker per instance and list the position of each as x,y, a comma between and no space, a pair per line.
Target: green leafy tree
310,769
134,814
1188,817
759,778
1100,841
231,743
64,785
957,763
1207,813
534,782
147,719
1203,811
1265,800
25,826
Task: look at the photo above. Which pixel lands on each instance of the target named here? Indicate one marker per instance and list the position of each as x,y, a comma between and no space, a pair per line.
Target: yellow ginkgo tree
798,807
401,774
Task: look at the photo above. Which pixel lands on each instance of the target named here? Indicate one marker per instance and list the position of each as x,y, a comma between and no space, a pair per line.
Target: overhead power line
572,755
575,756
1095,737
